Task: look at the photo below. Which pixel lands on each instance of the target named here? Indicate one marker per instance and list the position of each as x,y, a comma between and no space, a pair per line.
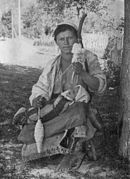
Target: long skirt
55,131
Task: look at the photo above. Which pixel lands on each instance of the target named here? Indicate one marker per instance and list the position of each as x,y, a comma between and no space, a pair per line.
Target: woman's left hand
78,68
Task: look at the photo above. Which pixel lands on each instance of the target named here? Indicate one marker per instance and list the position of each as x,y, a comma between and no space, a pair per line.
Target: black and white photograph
64,89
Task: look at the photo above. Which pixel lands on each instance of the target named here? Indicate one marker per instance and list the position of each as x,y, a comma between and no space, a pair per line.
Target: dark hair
64,27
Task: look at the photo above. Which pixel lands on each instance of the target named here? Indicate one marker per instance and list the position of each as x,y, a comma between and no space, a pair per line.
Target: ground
15,88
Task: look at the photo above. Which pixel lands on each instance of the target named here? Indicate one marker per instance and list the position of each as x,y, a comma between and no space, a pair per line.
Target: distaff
78,51
78,61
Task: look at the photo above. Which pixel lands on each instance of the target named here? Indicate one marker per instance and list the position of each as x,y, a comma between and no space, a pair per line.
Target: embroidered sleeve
43,84
95,70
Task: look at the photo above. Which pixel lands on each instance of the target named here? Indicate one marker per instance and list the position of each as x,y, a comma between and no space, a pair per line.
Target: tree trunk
124,148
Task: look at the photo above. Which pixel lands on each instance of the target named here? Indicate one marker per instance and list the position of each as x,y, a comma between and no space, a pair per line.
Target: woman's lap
74,116
54,133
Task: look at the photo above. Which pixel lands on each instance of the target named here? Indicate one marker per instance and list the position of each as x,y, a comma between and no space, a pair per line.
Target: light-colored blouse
53,80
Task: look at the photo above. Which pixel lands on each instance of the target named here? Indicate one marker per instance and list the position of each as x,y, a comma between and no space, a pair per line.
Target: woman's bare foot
71,162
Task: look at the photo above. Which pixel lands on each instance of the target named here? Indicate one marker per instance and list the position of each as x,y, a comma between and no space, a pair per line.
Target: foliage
101,16
112,74
6,24
41,16
53,12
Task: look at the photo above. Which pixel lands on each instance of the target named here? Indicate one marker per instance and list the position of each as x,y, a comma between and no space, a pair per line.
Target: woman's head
62,27
65,36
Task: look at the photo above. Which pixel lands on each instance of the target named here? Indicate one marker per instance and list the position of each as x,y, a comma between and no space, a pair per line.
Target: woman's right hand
39,102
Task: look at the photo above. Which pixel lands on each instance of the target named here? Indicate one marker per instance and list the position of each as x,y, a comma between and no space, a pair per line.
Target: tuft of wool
78,53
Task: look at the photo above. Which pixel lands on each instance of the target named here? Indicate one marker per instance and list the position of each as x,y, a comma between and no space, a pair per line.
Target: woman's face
65,41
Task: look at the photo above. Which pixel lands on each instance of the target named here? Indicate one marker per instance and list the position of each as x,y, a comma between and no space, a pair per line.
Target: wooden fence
95,42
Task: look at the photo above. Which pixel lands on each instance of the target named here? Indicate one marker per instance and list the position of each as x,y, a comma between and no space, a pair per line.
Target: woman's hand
91,81
39,102
78,68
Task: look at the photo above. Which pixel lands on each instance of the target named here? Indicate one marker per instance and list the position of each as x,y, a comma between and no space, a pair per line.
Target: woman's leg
74,116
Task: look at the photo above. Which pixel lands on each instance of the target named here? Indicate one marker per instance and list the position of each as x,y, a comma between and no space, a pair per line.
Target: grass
15,89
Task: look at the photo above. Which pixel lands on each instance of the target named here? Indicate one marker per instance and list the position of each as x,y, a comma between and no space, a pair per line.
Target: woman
58,76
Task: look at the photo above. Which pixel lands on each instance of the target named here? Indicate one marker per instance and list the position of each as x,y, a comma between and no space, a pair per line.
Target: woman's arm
91,81
95,78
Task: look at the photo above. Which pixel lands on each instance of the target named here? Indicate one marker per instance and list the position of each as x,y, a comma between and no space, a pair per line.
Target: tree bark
124,147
